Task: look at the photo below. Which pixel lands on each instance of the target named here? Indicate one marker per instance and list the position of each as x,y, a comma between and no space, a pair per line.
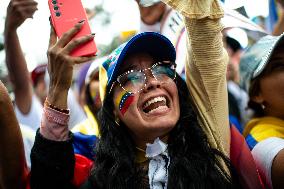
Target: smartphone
64,15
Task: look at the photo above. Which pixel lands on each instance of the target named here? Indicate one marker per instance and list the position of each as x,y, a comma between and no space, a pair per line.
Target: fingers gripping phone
64,15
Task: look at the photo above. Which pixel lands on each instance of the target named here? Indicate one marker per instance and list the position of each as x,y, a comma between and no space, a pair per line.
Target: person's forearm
18,71
12,156
54,123
206,67
15,60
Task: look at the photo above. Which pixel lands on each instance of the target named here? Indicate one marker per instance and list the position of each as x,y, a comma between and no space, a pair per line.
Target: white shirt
33,118
28,139
264,153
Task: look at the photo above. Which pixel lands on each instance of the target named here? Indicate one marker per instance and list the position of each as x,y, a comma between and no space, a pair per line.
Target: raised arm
12,157
206,67
52,156
17,12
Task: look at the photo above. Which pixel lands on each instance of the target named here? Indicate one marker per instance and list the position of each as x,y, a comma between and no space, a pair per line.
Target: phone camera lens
57,14
54,2
55,7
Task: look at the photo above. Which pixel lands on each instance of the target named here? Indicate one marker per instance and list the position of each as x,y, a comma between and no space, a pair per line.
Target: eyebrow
127,68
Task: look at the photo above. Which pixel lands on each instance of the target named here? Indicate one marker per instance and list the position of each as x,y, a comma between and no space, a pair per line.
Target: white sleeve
264,153
77,114
28,138
33,118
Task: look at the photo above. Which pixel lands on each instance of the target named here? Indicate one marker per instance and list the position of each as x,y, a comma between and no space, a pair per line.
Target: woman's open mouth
156,105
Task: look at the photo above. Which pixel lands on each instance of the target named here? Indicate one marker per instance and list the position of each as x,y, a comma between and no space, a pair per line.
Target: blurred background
114,21
109,19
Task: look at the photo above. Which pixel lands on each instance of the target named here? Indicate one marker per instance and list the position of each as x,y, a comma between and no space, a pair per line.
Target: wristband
54,124
55,116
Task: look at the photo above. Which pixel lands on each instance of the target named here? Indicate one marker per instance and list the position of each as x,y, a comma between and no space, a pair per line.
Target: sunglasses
134,81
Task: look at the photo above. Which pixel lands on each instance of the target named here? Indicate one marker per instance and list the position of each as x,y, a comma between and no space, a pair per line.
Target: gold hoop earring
117,120
263,106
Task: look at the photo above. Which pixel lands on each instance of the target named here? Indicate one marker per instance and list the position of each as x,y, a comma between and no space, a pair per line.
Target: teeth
158,109
157,99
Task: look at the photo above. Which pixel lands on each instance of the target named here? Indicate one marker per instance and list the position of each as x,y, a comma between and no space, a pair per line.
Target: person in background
38,82
262,75
156,16
93,99
86,132
80,84
279,26
235,51
26,103
13,168
238,98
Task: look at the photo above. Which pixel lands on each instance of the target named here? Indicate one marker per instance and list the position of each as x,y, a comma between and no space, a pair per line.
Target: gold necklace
140,149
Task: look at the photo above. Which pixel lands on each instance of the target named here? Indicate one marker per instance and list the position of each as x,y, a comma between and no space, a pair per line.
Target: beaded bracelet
46,103
55,116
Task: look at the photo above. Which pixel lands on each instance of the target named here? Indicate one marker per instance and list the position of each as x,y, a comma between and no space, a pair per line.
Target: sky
34,33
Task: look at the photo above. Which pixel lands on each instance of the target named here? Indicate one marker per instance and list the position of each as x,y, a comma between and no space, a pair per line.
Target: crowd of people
196,110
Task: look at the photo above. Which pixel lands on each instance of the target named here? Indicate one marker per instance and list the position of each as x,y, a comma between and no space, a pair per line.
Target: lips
155,105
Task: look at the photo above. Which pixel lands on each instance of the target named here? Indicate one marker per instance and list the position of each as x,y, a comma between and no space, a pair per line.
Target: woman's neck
142,144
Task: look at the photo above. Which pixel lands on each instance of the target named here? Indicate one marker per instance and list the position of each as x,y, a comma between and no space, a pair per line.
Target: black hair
254,86
254,90
194,164
233,44
234,109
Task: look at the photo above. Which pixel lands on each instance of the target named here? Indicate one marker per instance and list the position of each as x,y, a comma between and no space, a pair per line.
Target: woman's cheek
123,101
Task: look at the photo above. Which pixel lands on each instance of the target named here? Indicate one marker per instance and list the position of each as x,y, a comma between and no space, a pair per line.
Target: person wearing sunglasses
156,130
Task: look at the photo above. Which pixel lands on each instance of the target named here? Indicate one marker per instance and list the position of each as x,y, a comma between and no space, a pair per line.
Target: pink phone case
64,15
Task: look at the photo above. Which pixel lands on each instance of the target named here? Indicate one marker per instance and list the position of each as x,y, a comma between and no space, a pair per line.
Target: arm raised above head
17,12
206,67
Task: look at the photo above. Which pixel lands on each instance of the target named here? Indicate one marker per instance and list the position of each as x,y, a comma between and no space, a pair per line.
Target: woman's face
153,111
271,93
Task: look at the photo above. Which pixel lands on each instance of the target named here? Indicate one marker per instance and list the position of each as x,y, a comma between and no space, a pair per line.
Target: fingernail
81,21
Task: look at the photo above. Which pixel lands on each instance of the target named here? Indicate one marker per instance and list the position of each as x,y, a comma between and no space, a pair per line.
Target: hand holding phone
64,15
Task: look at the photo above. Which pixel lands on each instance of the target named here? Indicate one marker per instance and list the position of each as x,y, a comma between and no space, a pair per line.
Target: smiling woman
156,130
154,106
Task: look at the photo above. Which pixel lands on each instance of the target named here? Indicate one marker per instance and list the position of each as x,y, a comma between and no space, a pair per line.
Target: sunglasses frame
142,71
